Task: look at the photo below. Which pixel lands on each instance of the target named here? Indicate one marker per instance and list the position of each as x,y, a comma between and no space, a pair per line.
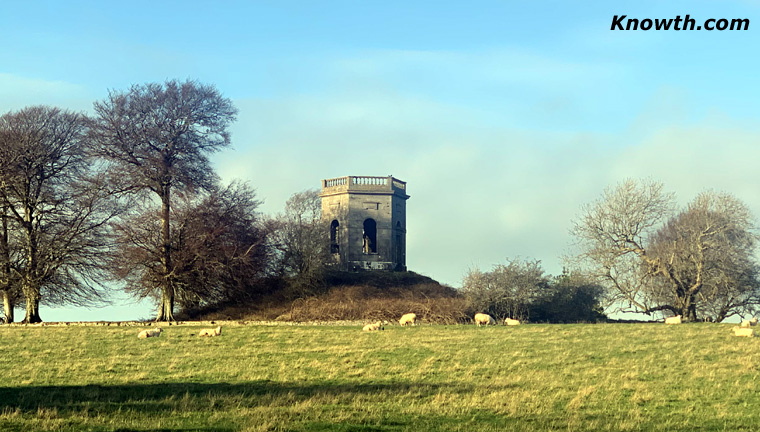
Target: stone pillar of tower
366,217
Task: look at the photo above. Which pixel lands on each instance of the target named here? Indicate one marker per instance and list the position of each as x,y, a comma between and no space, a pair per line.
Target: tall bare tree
156,139
697,261
55,207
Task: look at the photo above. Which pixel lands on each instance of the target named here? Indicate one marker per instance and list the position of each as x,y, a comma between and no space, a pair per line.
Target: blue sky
504,117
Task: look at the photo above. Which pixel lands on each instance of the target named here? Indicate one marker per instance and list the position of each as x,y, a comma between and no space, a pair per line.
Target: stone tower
366,217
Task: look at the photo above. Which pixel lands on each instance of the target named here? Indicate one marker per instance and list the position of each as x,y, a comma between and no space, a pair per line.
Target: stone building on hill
366,217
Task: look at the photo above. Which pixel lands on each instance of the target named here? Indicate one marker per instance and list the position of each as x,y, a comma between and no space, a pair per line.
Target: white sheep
373,327
484,319
673,320
511,322
749,323
409,318
150,333
745,332
211,332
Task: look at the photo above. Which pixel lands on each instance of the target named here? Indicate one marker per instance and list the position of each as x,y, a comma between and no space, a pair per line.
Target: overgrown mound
362,296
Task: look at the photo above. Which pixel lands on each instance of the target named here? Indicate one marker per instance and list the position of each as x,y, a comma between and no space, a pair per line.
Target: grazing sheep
673,320
741,331
409,318
373,327
511,322
484,319
749,323
211,332
150,333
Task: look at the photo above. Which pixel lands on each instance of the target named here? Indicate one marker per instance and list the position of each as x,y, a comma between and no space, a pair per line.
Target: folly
367,221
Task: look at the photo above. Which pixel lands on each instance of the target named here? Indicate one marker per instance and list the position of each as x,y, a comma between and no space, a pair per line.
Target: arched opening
370,236
334,233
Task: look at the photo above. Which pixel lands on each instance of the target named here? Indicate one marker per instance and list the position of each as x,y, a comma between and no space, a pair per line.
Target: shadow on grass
160,398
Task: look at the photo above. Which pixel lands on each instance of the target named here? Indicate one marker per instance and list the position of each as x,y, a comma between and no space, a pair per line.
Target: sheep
485,319
741,331
373,327
409,318
150,333
211,332
673,320
749,323
511,322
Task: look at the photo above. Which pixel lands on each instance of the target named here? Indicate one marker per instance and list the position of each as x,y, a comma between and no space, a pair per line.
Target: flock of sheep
484,319
157,332
411,318
743,330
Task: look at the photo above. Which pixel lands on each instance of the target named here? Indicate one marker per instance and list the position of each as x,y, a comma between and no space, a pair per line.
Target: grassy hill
581,377
349,296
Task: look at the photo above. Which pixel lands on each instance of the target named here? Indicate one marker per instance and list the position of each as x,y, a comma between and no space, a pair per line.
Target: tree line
637,252
128,197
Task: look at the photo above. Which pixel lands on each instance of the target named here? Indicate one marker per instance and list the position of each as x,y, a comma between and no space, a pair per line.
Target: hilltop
348,296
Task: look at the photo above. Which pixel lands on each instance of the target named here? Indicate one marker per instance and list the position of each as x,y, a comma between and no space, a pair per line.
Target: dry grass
349,296
371,303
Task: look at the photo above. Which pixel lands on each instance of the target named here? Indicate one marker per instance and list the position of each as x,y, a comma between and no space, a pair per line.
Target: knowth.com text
622,22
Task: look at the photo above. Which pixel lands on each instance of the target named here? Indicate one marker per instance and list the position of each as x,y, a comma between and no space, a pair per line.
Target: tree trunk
7,307
166,309
6,270
692,312
32,309
30,287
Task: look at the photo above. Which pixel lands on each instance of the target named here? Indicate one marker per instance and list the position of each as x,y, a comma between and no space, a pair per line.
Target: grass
613,377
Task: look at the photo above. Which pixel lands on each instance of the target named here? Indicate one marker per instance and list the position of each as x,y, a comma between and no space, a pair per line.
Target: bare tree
156,139
612,232
507,290
703,259
56,207
222,249
302,245
218,248
699,260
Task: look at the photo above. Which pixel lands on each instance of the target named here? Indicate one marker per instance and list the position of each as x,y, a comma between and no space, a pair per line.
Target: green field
627,377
